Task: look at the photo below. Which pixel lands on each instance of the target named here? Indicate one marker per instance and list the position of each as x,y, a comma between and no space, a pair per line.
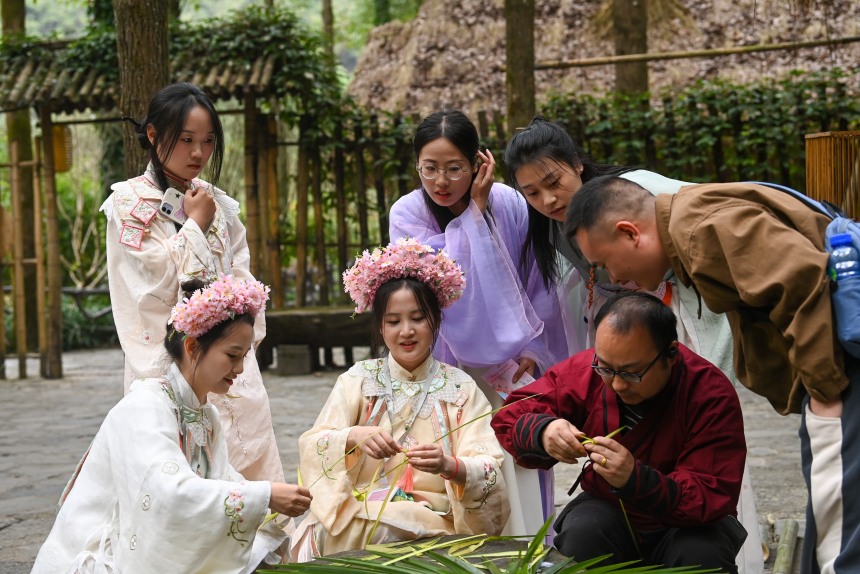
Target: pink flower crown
406,258
221,300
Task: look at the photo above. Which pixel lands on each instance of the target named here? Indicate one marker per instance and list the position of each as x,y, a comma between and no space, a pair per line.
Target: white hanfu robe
137,504
147,261
339,520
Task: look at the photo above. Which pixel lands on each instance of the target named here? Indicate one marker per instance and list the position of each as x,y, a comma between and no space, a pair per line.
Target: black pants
589,527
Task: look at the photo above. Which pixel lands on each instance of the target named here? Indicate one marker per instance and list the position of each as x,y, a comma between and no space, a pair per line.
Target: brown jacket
757,254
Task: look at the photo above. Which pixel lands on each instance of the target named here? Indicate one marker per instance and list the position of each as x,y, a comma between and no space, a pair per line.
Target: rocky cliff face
453,53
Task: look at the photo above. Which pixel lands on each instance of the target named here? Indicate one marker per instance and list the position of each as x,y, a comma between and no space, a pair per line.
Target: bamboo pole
319,228
264,201
379,182
52,363
715,52
252,206
19,300
784,560
404,152
40,253
361,186
273,212
340,195
302,189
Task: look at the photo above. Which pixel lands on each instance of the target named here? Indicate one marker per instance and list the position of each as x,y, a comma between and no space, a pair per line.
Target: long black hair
540,141
462,133
167,113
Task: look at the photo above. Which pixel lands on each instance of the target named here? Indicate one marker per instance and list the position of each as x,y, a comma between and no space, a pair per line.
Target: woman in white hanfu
149,254
155,492
406,428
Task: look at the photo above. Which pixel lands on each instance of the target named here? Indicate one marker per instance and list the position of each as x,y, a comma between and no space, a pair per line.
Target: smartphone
171,206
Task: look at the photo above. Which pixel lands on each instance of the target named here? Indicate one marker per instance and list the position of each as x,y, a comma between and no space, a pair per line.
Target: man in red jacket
674,468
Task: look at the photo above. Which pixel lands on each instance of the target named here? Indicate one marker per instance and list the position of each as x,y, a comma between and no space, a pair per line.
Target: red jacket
689,448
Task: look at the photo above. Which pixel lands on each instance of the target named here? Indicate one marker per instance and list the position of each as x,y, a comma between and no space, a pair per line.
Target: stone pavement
47,425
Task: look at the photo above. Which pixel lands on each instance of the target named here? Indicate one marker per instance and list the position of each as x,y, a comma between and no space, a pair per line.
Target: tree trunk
18,129
143,66
520,57
630,30
328,28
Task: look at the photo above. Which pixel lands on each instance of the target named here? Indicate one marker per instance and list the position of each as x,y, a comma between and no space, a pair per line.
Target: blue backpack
846,294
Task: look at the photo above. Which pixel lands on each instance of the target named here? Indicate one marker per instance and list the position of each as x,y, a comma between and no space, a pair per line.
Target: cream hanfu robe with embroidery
137,504
147,261
340,521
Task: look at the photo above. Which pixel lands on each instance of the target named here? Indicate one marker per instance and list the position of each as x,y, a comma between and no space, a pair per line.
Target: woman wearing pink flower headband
166,227
403,447
155,491
506,325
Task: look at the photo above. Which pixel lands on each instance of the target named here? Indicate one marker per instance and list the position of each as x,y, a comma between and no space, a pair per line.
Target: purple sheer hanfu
504,314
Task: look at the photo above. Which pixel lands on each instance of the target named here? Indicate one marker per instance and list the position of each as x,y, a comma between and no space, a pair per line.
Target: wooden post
252,206
40,250
361,184
263,199
404,153
19,300
273,213
302,190
52,362
319,227
379,182
3,232
520,58
340,195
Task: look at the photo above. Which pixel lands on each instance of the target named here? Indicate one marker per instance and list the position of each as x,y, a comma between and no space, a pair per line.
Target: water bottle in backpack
844,258
842,241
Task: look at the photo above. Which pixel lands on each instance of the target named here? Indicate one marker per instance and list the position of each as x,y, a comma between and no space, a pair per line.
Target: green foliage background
712,131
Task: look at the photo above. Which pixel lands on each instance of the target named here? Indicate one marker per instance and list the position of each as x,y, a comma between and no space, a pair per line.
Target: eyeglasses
609,374
431,172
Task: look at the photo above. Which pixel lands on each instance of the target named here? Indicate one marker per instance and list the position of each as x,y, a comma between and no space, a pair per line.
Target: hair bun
190,286
140,129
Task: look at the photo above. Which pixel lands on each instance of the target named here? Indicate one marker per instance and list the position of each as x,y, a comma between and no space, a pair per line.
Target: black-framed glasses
431,172
609,374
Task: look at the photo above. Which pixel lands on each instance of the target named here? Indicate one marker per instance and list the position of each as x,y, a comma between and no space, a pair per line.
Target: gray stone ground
45,426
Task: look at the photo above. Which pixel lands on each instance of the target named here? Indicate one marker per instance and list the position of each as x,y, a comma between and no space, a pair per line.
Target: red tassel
406,483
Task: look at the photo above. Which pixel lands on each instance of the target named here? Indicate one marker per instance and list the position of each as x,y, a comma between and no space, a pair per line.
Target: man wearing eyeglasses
756,254
662,489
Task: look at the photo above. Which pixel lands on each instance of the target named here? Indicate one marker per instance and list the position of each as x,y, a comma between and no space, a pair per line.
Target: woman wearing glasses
506,322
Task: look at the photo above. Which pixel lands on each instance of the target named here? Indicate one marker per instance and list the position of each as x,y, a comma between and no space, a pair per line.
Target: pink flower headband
406,258
221,300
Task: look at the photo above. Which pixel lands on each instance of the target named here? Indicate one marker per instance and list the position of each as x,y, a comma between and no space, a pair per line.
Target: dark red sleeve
560,393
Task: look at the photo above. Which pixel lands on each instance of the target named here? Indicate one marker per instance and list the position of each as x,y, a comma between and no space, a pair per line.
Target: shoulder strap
824,207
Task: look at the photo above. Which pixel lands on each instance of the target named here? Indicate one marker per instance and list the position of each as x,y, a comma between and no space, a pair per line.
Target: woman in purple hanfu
507,326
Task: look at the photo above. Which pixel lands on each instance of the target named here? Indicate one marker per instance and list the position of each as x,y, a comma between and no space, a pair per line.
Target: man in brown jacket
756,254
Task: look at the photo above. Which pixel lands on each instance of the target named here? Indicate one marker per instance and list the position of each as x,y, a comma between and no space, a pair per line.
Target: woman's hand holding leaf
375,442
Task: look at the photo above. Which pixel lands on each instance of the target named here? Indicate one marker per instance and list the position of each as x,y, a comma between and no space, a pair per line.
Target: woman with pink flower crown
155,492
166,227
507,326
402,448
